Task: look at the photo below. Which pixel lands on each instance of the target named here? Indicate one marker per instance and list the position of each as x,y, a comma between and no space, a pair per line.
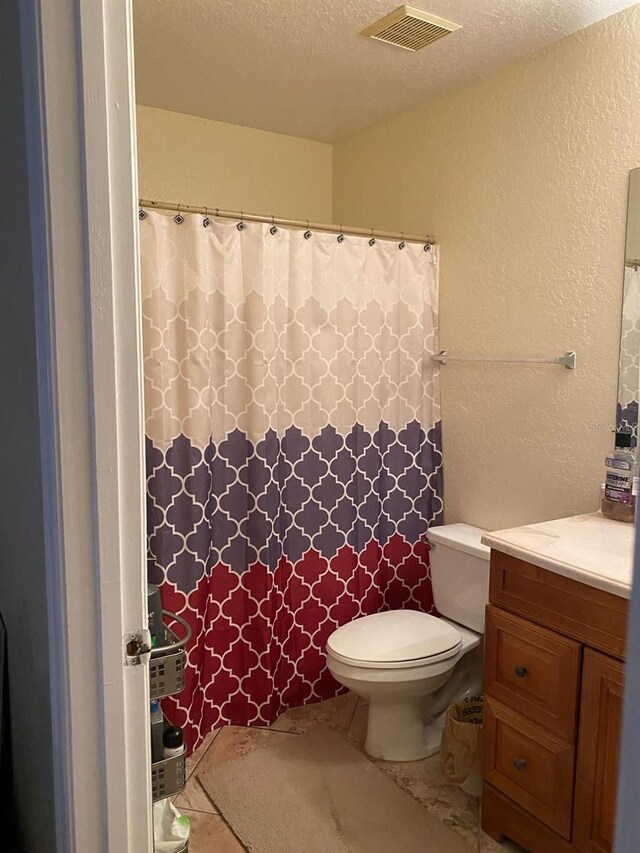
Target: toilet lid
395,636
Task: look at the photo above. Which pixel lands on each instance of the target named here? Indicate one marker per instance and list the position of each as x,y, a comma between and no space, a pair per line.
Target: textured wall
197,161
523,178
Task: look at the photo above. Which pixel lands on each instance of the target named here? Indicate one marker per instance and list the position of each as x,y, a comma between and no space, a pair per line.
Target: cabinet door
598,751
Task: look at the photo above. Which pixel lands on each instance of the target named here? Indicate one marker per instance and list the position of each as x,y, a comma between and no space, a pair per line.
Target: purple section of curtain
240,503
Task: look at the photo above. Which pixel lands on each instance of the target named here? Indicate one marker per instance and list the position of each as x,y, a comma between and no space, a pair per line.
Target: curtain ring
372,241
141,214
178,218
401,244
307,233
274,227
341,236
241,226
427,246
206,221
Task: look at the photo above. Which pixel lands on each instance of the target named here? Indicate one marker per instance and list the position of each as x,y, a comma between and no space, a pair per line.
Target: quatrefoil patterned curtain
293,450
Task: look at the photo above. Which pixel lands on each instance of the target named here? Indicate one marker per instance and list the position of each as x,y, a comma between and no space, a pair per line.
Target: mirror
629,370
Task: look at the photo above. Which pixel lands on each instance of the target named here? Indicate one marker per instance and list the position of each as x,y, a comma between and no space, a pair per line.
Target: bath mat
317,794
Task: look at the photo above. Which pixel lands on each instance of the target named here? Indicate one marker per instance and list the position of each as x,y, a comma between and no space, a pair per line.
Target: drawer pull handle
519,763
521,671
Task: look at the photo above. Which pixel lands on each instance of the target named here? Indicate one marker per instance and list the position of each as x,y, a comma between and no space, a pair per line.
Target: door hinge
137,648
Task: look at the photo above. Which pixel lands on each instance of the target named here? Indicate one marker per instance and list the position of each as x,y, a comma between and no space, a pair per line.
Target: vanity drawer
532,670
593,617
530,765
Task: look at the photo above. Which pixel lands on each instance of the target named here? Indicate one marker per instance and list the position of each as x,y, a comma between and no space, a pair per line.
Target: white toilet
410,666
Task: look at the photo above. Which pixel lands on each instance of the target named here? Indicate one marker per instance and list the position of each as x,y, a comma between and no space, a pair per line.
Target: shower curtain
293,449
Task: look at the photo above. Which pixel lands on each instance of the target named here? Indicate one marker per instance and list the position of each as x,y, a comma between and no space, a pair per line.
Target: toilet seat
395,639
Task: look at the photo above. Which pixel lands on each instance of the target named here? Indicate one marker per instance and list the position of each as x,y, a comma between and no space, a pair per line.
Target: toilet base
400,733
396,730
411,729
433,735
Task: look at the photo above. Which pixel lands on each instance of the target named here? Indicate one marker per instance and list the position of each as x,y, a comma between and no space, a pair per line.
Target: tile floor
347,715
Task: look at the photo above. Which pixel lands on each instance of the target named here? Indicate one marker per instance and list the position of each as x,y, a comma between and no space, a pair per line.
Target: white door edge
83,208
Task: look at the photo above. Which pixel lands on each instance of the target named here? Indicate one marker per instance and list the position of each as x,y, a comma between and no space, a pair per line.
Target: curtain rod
286,223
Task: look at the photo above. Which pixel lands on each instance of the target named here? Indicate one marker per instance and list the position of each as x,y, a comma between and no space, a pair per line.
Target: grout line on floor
271,729
199,811
213,740
353,714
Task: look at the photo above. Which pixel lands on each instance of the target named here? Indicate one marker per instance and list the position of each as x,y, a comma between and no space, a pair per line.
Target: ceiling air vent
410,28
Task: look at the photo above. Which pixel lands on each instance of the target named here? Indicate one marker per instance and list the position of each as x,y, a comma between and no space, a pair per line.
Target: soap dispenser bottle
621,481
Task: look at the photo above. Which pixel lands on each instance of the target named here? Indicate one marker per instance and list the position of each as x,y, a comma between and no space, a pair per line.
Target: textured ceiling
301,67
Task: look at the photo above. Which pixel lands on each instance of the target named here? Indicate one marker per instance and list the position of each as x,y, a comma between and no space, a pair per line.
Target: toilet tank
459,573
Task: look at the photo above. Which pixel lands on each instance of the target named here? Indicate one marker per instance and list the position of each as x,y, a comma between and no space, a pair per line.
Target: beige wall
523,178
201,162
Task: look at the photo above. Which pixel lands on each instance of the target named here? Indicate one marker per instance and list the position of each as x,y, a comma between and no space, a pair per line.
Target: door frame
80,123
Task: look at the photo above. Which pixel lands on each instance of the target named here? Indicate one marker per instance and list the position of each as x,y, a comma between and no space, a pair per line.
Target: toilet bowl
410,666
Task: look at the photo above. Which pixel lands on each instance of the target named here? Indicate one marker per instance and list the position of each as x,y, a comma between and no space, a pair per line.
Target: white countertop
588,548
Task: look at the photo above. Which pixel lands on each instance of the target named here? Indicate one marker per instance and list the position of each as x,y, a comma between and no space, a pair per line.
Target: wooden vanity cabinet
554,672
598,751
